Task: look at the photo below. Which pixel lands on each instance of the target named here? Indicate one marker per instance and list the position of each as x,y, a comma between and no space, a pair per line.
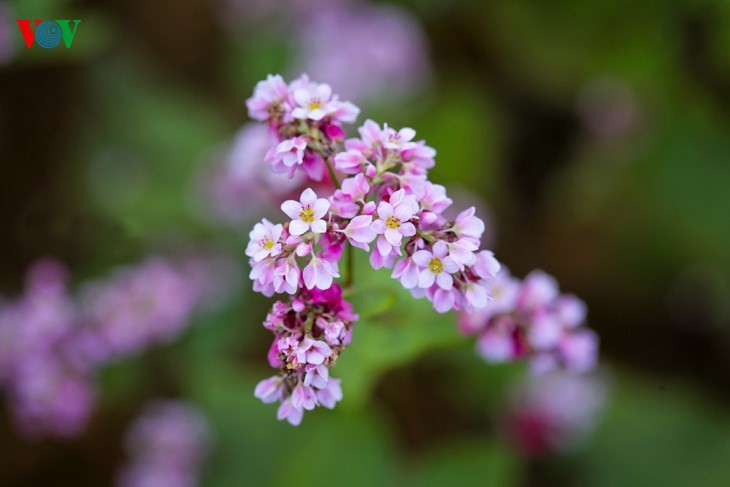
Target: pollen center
267,243
315,103
392,223
307,215
436,266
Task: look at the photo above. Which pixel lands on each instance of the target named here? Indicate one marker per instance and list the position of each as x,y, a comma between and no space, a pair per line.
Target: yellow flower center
307,215
315,103
392,223
267,243
436,266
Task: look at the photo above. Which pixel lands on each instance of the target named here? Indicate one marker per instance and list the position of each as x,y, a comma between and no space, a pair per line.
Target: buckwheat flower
263,272
419,158
579,350
432,198
287,155
270,390
351,161
316,376
443,299
398,139
486,266
333,332
393,223
312,351
469,226
357,187
545,330
407,272
313,102
303,397
331,394
286,275
288,411
342,111
476,296
319,273
264,240
436,266
462,252
307,213
359,232
496,345
538,289
571,310
268,97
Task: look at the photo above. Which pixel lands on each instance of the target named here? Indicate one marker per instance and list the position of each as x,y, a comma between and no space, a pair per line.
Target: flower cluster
310,332
167,445
385,199
530,319
52,343
48,392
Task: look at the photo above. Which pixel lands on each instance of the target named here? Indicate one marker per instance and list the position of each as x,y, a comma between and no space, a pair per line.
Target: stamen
436,266
392,223
307,215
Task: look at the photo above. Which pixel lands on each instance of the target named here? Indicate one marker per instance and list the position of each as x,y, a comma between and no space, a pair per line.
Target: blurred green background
598,134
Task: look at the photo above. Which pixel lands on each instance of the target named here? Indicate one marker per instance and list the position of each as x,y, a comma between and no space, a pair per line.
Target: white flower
307,213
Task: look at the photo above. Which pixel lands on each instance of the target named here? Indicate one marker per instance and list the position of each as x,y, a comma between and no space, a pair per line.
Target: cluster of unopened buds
381,197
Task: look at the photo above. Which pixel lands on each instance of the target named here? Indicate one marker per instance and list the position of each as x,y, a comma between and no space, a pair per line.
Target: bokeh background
594,134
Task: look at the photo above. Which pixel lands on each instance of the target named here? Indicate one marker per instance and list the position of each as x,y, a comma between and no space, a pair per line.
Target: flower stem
350,267
331,170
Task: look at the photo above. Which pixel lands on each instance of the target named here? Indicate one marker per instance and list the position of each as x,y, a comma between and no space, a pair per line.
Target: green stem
332,172
350,267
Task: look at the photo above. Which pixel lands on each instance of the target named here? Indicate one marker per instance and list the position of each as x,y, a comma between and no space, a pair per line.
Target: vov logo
48,33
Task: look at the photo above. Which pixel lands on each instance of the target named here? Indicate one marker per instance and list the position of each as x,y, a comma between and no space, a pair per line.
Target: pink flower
286,276
313,102
538,289
432,198
579,350
359,232
351,161
398,140
267,97
307,213
469,226
269,390
462,252
316,376
357,188
264,240
486,266
443,299
436,266
331,394
393,223
312,351
544,331
287,155
476,296
303,397
289,412
571,311
319,273
497,345
406,271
